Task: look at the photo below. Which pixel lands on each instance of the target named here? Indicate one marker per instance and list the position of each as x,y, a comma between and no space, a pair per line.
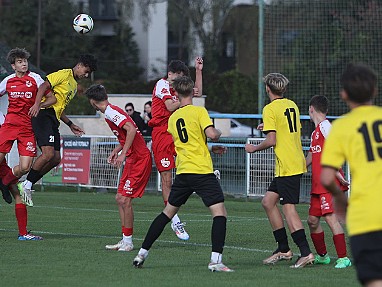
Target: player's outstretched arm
172,105
218,149
213,133
198,90
50,100
270,141
33,111
74,128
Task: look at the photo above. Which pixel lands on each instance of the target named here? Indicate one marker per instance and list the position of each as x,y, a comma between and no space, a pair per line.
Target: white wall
152,40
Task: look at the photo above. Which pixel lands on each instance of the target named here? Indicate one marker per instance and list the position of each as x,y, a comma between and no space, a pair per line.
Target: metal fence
242,174
312,41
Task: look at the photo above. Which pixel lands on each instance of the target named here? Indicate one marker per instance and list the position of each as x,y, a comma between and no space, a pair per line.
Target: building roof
6,68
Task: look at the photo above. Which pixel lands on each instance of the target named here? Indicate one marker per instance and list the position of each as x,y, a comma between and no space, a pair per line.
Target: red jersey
316,147
162,92
115,117
21,97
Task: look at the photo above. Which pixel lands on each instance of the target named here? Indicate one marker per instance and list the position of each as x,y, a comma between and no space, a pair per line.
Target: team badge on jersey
28,84
30,147
127,187
324,203
165,162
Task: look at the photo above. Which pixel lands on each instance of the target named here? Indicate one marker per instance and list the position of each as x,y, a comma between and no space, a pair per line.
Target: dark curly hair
88,60
21,53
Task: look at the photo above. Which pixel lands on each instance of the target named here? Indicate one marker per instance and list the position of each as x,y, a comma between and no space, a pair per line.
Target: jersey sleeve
115,117
204,119
269,119
57,78
3,86
333,153
325,127
162,90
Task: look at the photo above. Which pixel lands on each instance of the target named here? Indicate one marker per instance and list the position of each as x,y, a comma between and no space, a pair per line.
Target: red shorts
4,168
135,175
26,143
163,149
321,204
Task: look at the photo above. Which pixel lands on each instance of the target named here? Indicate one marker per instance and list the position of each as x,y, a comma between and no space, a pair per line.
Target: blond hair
276,82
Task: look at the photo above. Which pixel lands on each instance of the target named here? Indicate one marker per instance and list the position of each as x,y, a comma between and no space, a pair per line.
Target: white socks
127,239
216,257
143,252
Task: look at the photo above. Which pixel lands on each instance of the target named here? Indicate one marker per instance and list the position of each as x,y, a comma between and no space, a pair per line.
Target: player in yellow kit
357,139
190,126
283,129
46,122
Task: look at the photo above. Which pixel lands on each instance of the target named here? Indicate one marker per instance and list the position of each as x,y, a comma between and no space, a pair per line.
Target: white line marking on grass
230,218
141,239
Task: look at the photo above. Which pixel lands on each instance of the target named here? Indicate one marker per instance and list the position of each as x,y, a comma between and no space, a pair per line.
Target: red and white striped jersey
162,92
116,118
21,97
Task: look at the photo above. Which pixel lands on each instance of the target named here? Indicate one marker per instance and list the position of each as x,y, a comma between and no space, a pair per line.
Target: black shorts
367,254
287,187
45,127
204,185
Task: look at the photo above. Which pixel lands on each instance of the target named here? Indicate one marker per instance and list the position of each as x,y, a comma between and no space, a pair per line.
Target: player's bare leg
176,225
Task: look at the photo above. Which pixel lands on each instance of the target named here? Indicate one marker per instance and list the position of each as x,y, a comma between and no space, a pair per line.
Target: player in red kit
22,88
164,103
133,152
20,208
321,203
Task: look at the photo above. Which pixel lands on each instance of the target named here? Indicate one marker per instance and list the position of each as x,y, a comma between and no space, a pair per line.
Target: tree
59,42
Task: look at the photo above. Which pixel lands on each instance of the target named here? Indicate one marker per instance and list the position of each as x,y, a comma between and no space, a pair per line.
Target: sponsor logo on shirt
316,149
165,162
116,118
16,95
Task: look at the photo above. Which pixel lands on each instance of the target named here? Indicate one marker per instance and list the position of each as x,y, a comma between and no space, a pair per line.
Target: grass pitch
77,225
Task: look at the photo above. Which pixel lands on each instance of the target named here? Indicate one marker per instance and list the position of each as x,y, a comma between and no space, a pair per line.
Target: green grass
77,226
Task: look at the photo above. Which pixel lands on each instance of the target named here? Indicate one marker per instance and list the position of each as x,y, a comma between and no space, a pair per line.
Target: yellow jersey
187,125
283,116
64,87
357,139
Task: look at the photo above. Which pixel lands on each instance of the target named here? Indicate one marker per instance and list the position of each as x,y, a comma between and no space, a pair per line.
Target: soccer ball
83,23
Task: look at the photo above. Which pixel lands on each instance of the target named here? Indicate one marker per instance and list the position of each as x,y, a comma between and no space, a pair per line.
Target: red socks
319,243
340,244
22,218
127,231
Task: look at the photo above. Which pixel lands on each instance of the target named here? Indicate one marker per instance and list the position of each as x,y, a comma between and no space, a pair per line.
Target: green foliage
117,55
334,34
231,92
